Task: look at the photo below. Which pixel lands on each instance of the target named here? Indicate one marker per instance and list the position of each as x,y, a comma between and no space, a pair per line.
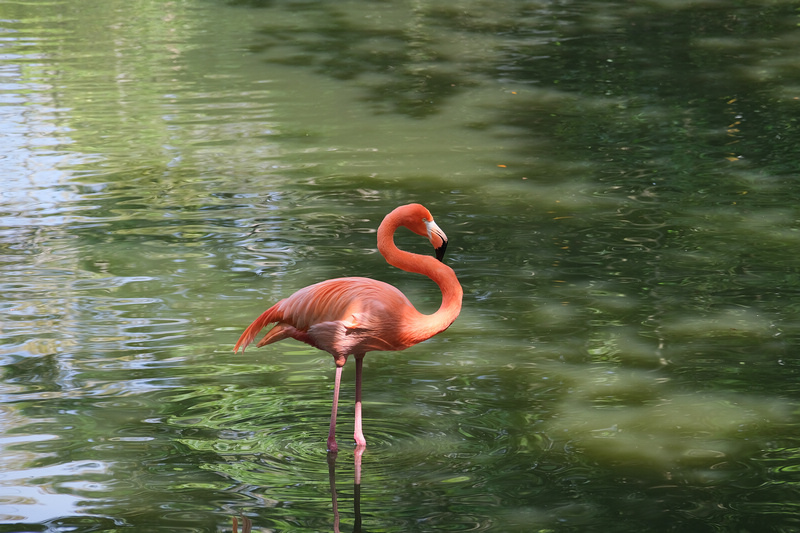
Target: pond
619,185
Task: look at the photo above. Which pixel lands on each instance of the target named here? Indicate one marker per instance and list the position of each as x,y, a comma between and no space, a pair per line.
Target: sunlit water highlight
618,183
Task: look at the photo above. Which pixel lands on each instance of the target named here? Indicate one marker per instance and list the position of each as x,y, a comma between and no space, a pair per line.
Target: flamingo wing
341,316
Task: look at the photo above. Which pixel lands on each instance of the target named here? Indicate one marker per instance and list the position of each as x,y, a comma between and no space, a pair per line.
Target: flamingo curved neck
423,326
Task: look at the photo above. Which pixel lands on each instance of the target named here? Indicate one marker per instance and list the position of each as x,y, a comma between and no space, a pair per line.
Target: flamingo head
419,220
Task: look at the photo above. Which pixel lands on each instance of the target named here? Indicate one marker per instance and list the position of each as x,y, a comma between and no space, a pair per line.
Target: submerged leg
359,433
332,447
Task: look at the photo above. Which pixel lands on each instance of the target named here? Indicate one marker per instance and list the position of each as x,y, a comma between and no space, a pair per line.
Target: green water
618,181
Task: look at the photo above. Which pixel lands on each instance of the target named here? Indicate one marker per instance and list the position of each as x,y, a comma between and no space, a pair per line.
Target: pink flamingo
347,316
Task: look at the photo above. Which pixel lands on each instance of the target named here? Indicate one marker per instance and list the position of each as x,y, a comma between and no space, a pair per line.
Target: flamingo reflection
359,451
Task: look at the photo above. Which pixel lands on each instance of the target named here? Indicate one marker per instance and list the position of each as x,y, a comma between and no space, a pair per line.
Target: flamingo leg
332,446
359,433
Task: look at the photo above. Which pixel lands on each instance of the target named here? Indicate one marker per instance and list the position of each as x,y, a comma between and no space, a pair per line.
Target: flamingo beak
440,251
438,239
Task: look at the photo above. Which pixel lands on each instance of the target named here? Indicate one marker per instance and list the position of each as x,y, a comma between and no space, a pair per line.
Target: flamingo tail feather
267,317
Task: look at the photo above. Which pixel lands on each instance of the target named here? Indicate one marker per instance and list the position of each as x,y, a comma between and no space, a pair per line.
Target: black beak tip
440,251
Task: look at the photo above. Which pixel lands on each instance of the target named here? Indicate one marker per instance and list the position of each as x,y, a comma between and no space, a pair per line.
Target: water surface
618,183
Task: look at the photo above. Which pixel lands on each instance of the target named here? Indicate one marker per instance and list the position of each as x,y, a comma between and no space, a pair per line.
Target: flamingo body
354,315
341,316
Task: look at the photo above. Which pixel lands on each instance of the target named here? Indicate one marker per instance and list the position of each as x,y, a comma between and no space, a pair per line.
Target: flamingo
354,315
